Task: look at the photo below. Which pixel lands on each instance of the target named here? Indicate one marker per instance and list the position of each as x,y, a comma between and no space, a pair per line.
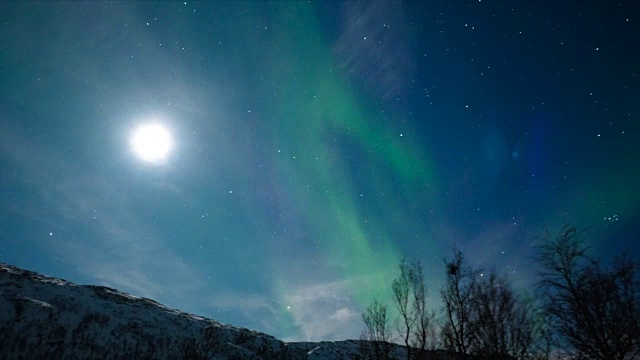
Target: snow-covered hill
47,318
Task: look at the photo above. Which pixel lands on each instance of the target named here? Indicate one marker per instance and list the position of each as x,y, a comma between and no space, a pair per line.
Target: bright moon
151,142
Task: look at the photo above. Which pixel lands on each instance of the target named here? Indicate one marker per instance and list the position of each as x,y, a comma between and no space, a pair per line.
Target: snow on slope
47,318
43,317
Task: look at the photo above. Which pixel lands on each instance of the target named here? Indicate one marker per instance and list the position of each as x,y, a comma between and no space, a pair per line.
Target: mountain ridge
49,318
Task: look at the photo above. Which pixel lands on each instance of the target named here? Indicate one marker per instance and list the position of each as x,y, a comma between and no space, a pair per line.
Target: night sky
312,145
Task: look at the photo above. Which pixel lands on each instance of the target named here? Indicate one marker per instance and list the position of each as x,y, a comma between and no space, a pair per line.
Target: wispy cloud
257,311
506,247
373,45
325,311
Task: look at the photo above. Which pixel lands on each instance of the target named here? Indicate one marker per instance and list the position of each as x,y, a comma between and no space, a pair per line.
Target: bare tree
423,333
376,338
414,323
403,288
456,297
594,312
505,325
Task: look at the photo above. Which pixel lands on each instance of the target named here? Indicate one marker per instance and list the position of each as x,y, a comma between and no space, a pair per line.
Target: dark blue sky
313,146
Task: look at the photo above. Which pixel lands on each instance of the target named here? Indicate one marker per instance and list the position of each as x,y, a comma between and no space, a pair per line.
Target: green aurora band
317,111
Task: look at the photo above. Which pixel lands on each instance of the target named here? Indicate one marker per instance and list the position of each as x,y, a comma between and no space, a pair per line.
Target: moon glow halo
151,142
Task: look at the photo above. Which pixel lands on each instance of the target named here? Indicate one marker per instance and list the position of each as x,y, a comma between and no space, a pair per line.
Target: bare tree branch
594,312
456,297
403,288
376,337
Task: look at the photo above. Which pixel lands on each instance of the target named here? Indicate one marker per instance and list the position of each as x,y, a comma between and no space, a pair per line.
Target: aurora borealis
314,145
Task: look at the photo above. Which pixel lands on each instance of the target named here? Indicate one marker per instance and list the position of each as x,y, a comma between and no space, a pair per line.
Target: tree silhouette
456,297
584,310
402,288
376,337
594,312
423,333
414,323
505,325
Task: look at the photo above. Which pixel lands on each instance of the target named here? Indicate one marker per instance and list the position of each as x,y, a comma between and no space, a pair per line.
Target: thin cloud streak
373,45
